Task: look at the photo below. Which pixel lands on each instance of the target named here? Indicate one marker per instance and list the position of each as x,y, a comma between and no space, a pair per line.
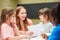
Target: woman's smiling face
22,14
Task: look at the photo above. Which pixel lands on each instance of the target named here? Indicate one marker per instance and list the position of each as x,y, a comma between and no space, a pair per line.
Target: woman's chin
23,19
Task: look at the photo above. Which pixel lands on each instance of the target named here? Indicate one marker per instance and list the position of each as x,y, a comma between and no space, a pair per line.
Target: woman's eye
24,13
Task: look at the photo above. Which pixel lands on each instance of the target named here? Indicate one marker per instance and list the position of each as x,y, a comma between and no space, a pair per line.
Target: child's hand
44,36
13,24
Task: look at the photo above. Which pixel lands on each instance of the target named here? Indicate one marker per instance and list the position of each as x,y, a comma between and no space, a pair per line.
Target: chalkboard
32,9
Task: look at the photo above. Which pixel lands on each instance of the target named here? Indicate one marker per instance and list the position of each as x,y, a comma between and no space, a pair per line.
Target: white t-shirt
48,27
36,29
39,29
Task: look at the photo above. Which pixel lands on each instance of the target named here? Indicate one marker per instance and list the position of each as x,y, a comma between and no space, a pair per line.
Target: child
55,18
45,21
8,27
45,26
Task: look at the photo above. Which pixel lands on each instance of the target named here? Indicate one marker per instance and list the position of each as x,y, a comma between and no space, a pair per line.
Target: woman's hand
29,33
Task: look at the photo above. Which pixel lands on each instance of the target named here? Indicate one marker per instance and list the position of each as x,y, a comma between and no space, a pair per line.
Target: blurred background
32,6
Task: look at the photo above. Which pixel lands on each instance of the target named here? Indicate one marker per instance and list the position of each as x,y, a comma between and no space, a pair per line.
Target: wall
8,3
13,3
36,1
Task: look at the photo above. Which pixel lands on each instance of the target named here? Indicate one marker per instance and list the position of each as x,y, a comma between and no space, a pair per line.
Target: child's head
44,14
55,14
7,14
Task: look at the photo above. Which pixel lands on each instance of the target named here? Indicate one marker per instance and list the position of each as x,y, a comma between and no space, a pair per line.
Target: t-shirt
6,31
48,27
37,31
40,28
55,35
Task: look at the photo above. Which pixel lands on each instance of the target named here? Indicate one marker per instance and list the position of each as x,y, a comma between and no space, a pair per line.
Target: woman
21,18
22,21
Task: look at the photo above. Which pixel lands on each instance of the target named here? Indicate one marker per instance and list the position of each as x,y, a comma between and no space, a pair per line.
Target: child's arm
17,37
12,38
44,36
15,28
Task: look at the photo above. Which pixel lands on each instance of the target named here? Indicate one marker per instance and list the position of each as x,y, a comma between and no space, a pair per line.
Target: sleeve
51,27
5,31
55,34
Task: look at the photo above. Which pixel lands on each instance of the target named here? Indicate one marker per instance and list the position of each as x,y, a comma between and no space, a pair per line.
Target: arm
27,33
12,38
55,34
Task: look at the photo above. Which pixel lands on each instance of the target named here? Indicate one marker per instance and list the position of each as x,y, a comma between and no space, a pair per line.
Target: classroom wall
8,3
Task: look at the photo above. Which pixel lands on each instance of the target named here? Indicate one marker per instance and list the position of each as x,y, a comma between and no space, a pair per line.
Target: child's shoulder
41,23
50,23
57,28
4,25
